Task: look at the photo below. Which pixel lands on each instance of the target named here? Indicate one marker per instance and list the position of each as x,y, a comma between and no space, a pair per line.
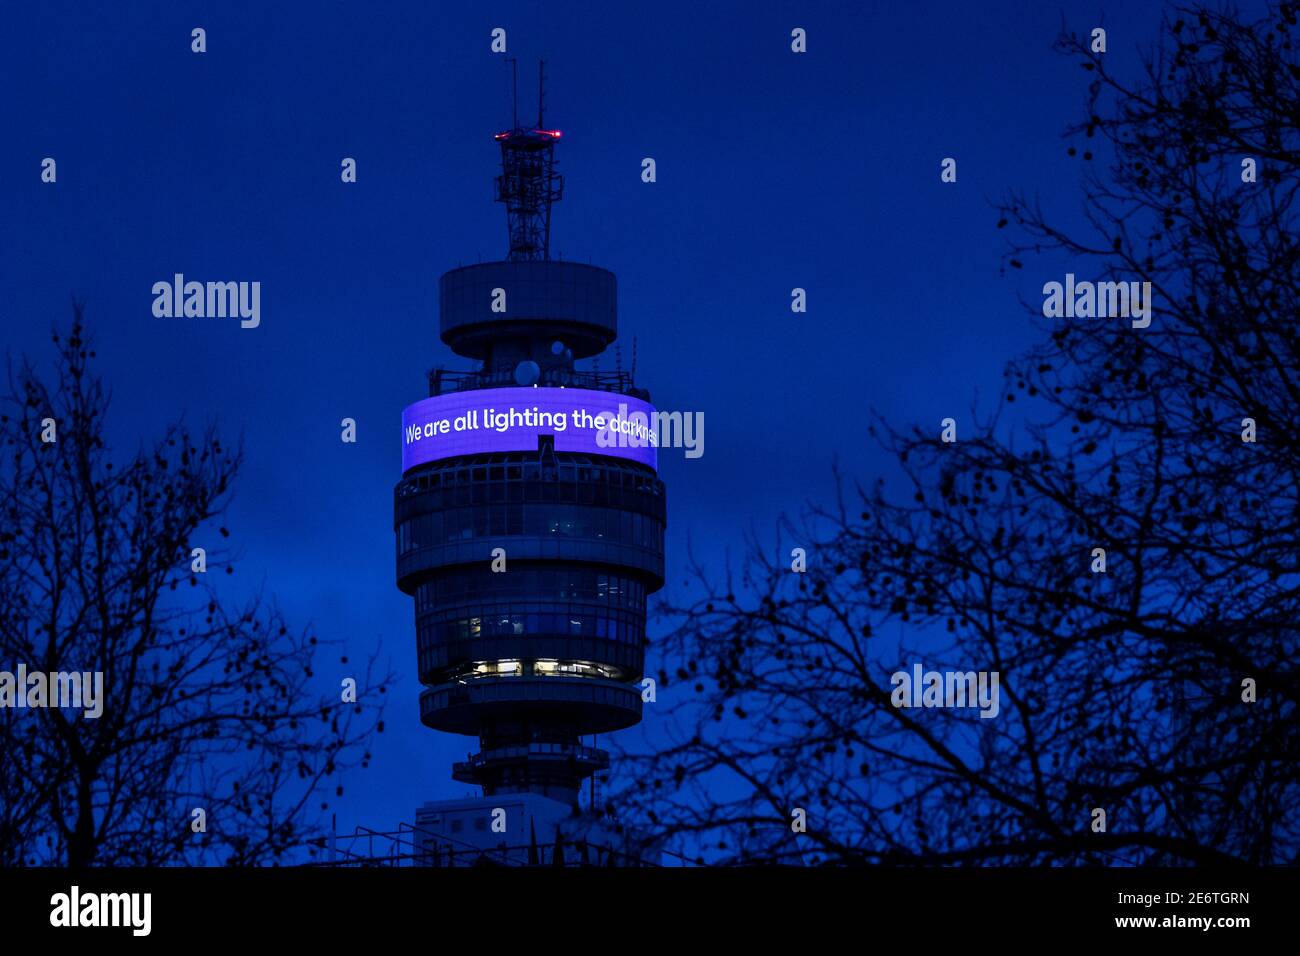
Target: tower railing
442,381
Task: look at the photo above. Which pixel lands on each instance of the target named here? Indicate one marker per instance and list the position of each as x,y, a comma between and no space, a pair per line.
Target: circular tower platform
575,303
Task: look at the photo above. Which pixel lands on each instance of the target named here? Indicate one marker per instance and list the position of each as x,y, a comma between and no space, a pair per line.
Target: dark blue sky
775,170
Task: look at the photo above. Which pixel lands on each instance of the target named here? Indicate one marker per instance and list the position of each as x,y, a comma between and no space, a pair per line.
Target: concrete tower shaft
529,546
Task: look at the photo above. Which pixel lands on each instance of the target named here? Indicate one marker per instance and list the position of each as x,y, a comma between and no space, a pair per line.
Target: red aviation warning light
540,134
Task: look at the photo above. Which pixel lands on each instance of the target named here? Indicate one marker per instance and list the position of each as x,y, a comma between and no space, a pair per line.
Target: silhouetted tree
1120,690
206,705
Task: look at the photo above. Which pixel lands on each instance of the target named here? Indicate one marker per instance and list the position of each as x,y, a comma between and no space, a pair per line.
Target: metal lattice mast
528,183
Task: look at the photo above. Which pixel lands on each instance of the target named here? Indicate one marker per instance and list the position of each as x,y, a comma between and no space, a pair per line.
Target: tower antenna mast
541,92
514,93
528,183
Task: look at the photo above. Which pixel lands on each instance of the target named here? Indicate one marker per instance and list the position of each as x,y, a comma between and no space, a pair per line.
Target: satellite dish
557,347
527,373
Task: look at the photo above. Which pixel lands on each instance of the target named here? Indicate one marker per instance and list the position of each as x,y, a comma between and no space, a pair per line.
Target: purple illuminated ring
512,419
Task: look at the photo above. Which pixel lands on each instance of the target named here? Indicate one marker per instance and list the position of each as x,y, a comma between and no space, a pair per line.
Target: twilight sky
775,170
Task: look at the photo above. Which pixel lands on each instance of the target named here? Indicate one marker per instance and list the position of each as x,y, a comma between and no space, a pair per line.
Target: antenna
528,183
541,92
514,92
